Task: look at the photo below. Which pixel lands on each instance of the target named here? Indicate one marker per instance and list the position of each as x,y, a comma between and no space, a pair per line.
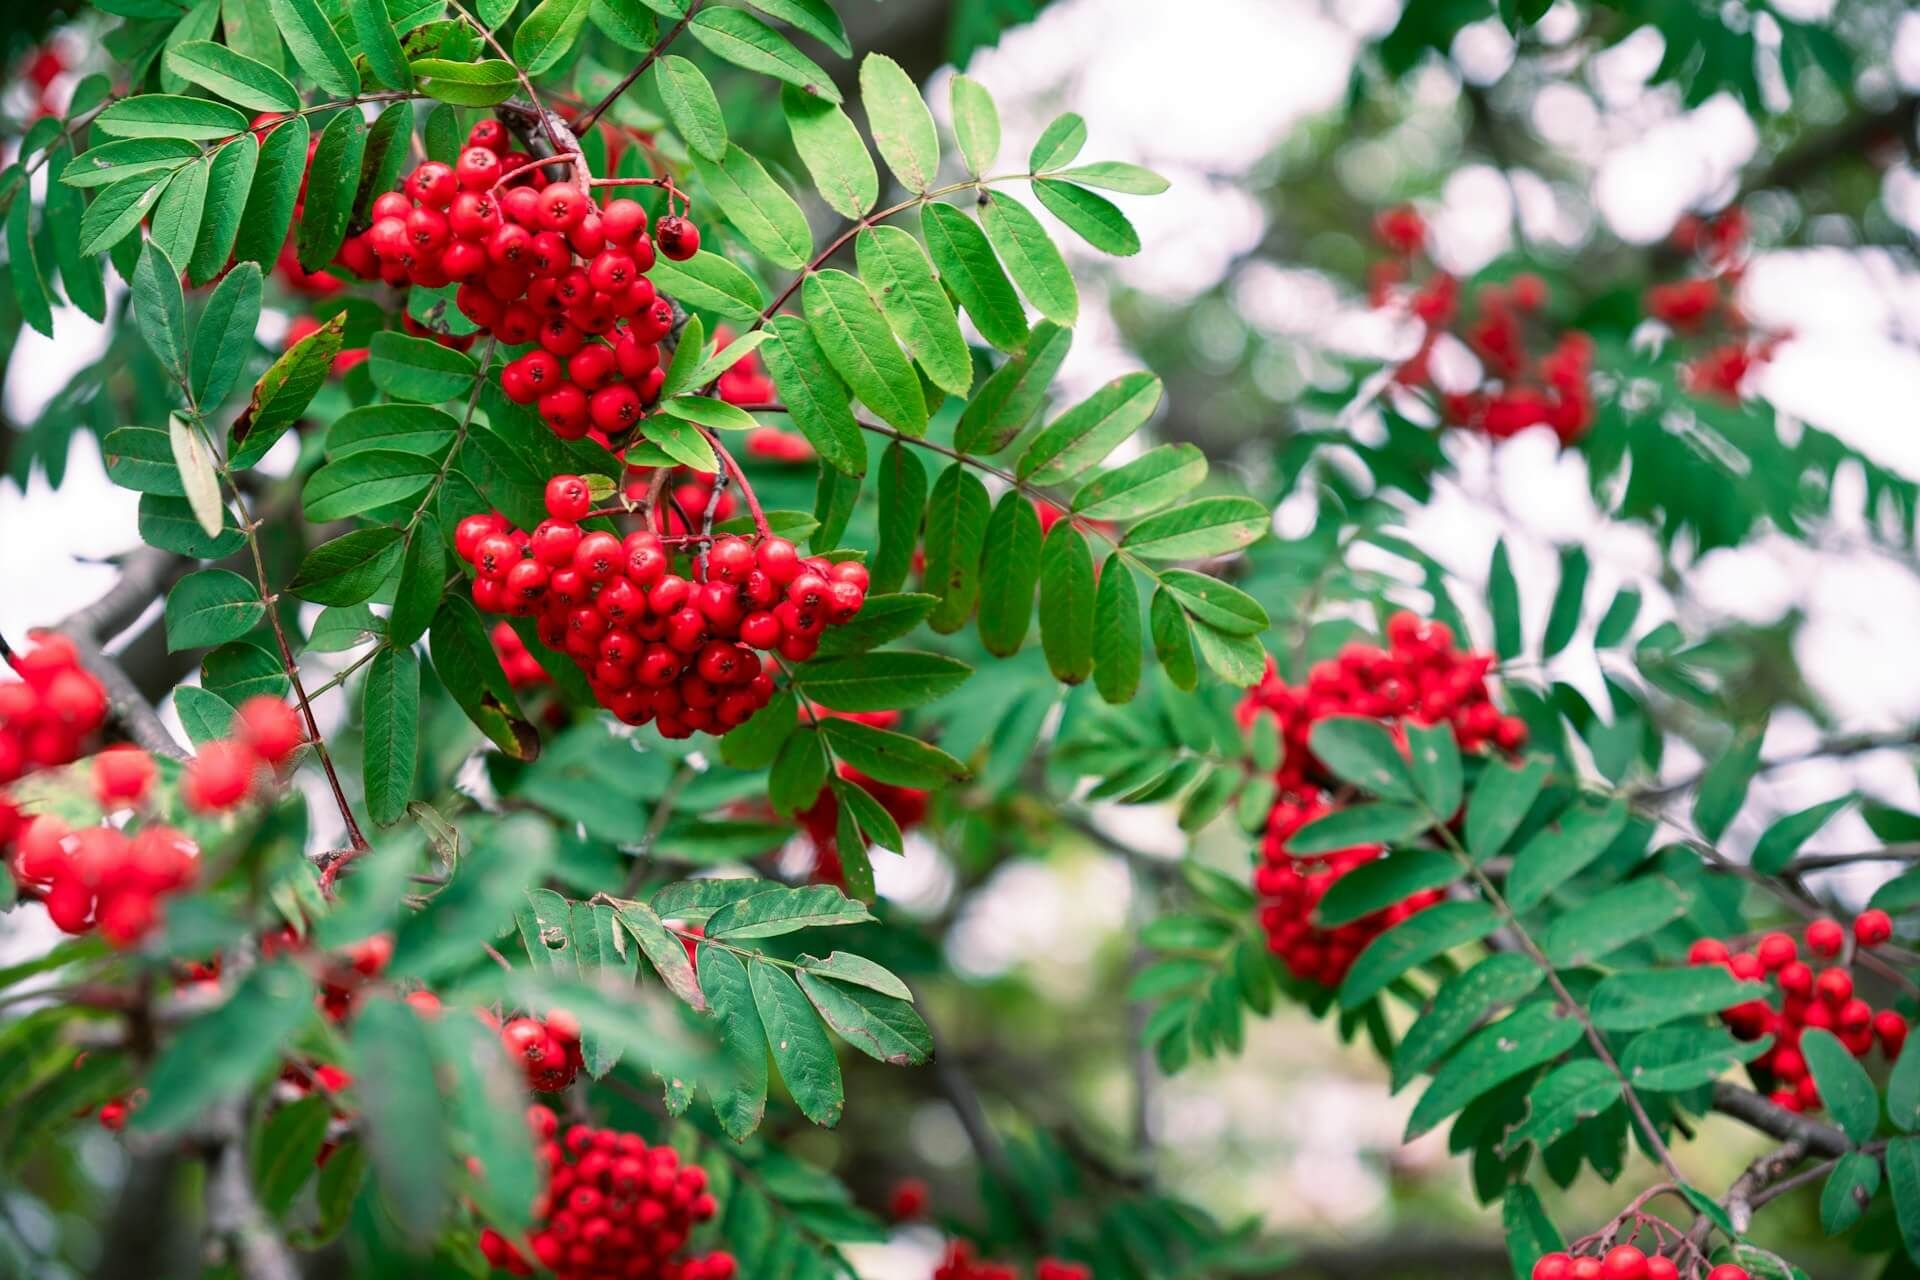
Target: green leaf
364,480
1503,599
1500,802
114,162
900,279
1090,430
464,659
1093,218
1564,619
857,342
1681,1058
204,714
1363,752
548,34
902,500
976,125
969,267
1569,1096
1059,143
117,211
706,411
169,524
1358,824
1203,528
348,569
487,83
869,816
1491,1056
743,1101
682,442
423,576
1611,920
403,1113
1723,789
1117,640
1377,885
333,177
390,709
831,149
1031,257
1559,852
1846,1090
1639,998
1903,1183
225,1050
1009,571
665,952
901,125
234,76
286,1151
1423,936
1850,1188
1173,640
745,41
419,369
1149,482
174,227
815,397
161,310
1115,175
274,191
800,1046
141,458
956,529
373,27
1776,849
627,25
81,275
224,337
1067,603
243,670
1238,659
799,771
402,428
815,17
162,115
1013,393
880,1025
1435,759
890,757
316,47
198,478
755,204
1618,620
710,281
487,1092
1903,1092
211,607
692,107
887,680
1530,1232
1461,1005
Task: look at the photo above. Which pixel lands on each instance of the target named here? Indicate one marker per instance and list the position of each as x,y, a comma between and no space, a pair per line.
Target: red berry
568,498
1872,927
678,238
1825,937
122,776
219,778
1624,1262
270,727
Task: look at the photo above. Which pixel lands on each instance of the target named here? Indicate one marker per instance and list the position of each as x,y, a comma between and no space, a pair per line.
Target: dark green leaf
900,279
211,607
234,76
861,347
969,267
745,41
1067,603
1636,999
1418,939
1846,1090
316,47
891,757
1009,571
390,709
800,1046
348,569
886,680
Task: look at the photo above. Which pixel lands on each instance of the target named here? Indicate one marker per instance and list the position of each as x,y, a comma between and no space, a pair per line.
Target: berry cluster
536,261
1702,307
1807,999
1623,1262
655,644
1421,675
961,1264
48,714
613,1207
1517,389
101,877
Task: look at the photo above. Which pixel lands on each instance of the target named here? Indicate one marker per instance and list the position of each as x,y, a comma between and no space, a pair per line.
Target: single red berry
678,238
1872,927
1825,937
121,776
1624,1262
270,727
568,498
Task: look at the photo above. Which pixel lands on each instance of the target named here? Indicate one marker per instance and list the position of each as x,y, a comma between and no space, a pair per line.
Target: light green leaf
316,46
969,267
1114,175
1092,429
900,278
465,84
1013,393
815,397
161,115
857,342
234,76
1059,143
976,124
757,205
548,34
745,41
1094,218
692,106
901,125
831,148
1203,528
1031,257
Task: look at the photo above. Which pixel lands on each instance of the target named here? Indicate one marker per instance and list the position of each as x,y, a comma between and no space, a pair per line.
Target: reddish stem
747,494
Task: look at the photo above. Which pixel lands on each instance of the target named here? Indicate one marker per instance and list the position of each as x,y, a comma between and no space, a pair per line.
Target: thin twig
592,116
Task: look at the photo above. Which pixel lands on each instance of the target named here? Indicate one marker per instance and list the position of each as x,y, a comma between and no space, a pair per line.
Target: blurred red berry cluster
1704,312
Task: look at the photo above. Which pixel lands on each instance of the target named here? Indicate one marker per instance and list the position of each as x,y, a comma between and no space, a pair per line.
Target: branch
1757,1112
586,122
145,575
